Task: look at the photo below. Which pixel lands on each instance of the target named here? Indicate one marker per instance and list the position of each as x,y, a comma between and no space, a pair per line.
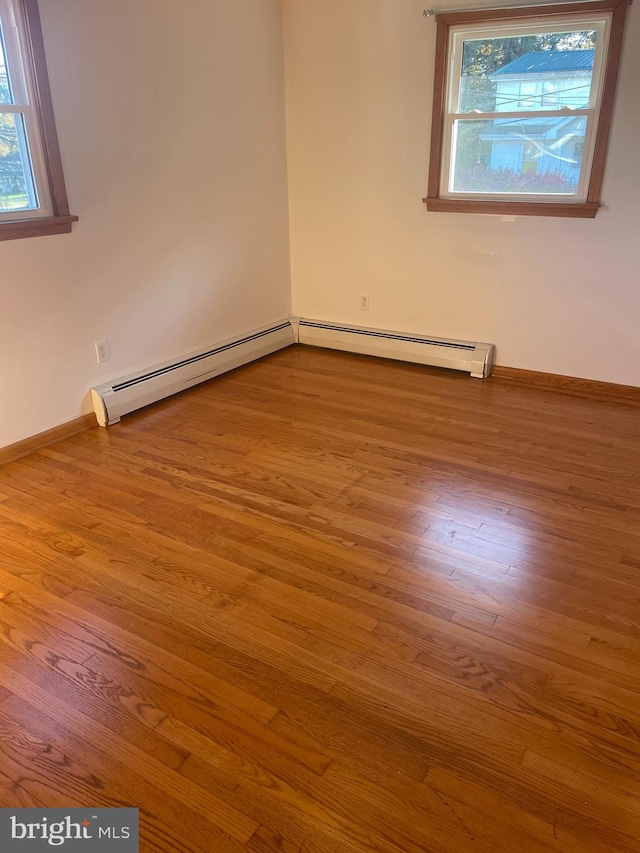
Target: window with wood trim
33,198
522,108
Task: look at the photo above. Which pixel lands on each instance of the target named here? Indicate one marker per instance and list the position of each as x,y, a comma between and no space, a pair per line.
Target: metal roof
545,61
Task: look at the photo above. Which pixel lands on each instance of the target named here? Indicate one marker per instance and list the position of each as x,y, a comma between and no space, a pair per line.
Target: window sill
36,227
584,210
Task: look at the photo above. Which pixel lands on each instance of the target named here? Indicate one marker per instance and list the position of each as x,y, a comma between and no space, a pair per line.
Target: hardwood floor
327,604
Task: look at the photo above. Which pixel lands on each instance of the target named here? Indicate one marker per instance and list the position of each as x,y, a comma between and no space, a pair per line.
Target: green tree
10,167
7,132
8,137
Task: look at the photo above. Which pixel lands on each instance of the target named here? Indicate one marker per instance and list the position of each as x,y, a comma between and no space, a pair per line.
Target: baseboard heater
115,399
474,358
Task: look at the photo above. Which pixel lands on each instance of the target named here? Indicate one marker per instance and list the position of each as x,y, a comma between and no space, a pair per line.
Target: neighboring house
541,80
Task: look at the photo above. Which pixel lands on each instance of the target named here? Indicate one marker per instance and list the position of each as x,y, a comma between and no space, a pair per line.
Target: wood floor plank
265,841
313,718
14,796
471,794
134,761
96,636
104,701
85,775
227,726
331,604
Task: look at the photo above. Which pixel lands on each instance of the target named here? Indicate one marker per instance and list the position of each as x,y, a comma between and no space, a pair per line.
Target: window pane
532,155
544,71
16,180
5,91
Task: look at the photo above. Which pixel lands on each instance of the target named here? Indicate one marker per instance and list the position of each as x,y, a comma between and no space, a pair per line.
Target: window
549,96
522,107
33,199
527,98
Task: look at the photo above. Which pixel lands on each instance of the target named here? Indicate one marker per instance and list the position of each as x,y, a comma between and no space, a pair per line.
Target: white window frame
31,104
22,85
458,36
607,18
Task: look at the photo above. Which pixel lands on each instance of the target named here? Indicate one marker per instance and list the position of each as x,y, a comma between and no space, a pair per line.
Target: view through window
33,199
18,191
522,107
538,75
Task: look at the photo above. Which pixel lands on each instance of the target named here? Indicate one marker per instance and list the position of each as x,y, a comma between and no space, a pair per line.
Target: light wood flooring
327,604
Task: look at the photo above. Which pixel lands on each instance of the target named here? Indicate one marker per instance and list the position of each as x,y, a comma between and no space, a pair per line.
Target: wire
541,95
522,97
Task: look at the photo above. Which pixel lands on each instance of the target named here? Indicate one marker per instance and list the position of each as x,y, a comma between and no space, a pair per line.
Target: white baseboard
114,399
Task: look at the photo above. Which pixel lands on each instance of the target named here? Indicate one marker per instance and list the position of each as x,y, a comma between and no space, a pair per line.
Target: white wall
171,123
561,296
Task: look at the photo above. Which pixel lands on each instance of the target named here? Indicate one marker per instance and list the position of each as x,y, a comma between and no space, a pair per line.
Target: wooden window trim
61,221
583,210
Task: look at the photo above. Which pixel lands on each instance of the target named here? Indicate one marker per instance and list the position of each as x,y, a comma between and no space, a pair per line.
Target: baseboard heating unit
115,399
474,358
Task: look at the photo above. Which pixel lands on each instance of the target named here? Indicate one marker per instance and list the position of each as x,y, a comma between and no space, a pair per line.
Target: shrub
479,178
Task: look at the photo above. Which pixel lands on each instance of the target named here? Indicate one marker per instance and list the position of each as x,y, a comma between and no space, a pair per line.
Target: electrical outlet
102,351
364,301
